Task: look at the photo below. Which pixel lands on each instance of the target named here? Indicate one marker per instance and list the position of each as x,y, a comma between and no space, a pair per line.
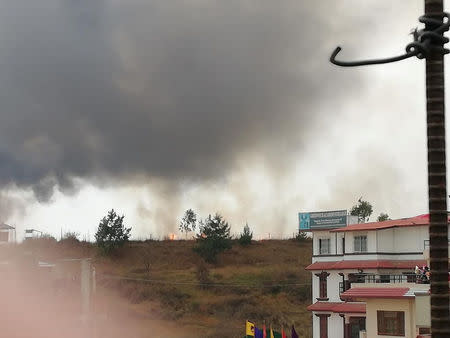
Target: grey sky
226,106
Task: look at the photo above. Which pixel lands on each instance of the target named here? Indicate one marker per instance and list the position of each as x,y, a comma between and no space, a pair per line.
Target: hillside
169,291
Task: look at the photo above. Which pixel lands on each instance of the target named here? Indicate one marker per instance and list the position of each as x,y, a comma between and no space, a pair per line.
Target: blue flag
258,333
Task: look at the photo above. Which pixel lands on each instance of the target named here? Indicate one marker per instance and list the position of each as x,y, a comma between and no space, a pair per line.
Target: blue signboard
304,220
309,221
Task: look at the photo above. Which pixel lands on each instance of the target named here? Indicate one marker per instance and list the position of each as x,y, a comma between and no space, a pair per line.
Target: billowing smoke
178,91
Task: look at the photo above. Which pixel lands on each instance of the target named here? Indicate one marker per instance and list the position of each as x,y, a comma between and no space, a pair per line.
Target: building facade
7,233
379,253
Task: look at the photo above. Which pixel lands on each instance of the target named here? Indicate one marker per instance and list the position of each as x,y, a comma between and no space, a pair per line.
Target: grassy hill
159,285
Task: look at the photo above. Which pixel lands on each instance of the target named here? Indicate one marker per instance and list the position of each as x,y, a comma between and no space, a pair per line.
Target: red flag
283,334
264,331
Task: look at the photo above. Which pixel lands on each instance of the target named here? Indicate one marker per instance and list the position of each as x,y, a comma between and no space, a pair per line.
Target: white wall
323,235
385,240
315,286
371,240
316,326
335,326
339,236
10,233
410,239
333,286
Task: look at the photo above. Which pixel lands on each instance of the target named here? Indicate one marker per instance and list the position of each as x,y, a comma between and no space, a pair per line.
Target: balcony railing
404,278
369,278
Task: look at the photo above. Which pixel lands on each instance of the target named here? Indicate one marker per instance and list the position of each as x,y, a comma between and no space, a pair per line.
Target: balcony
381,278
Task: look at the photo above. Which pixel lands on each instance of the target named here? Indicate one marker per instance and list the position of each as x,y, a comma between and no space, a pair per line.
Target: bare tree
188,222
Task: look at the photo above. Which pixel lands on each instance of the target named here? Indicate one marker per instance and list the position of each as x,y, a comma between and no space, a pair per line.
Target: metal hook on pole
424,41
333,60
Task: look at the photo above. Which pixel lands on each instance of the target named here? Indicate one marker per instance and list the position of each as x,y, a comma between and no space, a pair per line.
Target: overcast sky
153,107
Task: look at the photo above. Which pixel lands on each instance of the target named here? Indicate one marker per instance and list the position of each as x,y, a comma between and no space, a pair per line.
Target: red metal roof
403,222
366,264
350,308
338,307
369,292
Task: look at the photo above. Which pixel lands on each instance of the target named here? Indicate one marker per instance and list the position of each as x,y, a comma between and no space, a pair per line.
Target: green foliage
301,293
70,237
363,210
111,233
301,237
246,236
383,217
188,222
213,239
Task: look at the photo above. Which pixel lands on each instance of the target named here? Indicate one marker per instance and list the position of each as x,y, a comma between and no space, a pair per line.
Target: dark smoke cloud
174,90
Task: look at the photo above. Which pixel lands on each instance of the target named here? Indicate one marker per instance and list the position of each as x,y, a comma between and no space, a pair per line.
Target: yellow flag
249,329
271,333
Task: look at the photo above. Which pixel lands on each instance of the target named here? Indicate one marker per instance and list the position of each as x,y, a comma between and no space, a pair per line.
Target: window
324,246
391,323
424,330
322,285
360,243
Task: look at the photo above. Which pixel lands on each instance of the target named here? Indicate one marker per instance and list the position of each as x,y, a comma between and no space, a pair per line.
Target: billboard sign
309,221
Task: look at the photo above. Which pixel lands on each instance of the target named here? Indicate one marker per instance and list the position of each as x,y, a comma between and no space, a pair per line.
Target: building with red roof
381,255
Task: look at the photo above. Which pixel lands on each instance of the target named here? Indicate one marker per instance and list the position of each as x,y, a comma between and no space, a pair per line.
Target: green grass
260,276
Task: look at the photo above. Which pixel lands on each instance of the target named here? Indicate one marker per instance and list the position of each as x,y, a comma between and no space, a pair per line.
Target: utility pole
437,180
429,44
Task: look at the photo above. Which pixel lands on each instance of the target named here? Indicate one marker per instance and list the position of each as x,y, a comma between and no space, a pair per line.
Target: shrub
301,293
301,237
202,274
146,259
70,238
111,233
213,239
246,236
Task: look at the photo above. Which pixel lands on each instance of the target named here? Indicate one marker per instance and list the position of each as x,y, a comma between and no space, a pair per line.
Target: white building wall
10,234
333,286
316,326
339,236
315,287
371,240
326,234
385,240
335,326
410,239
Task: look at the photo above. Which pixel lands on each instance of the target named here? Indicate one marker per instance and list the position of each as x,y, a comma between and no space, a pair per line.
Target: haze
153,107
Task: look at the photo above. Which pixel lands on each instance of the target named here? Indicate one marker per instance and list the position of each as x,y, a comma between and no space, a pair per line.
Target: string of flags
252,331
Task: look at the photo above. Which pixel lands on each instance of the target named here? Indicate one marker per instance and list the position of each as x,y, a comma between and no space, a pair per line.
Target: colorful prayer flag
249,329
294,334
271,333
283,334
265,331
258,333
